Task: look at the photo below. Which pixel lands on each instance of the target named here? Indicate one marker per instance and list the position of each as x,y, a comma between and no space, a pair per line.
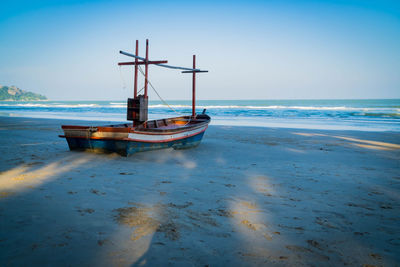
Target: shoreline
247,196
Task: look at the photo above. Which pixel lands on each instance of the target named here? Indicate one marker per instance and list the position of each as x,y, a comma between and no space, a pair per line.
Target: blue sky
68,50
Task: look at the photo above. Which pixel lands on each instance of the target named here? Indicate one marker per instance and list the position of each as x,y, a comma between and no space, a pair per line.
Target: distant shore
247,196
14,93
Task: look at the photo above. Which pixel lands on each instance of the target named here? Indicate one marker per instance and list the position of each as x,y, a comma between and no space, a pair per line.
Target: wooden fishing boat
142,134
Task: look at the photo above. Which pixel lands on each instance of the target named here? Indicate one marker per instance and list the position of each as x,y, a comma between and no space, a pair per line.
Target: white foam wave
341,108
166,106
117,106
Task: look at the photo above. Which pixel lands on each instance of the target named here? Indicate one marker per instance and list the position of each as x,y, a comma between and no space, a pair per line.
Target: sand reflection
358,142
23,177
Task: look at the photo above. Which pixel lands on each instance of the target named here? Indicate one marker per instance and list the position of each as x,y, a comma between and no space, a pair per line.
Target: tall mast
136,69
194,88
146,68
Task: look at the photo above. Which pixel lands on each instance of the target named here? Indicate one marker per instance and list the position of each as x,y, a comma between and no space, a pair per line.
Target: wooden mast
146,68
136,70
194,88
194,71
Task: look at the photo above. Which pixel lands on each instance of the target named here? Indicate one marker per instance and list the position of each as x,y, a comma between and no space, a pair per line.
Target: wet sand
246,196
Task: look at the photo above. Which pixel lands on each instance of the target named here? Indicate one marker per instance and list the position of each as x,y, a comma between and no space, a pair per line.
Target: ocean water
366,115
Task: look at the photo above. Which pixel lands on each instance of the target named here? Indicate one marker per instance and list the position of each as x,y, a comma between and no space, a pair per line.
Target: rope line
140,90
151,85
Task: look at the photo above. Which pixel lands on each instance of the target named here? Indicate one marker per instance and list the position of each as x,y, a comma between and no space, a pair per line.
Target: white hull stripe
165,138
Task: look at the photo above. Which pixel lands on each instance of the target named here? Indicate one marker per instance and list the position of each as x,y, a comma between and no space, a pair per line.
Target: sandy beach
247,196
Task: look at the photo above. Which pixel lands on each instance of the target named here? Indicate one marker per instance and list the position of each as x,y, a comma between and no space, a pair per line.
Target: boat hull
126,148
177,133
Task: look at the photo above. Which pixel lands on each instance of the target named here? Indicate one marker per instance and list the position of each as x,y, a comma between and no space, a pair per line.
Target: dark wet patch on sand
169,219
126,173
97,192
85,211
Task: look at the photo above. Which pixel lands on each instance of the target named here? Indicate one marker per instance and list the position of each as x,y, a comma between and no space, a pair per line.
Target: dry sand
244,197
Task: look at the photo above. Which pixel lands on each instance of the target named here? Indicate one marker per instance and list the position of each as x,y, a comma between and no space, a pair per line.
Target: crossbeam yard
161,65
142,63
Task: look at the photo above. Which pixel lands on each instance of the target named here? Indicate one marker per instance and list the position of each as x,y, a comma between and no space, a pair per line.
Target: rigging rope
151,85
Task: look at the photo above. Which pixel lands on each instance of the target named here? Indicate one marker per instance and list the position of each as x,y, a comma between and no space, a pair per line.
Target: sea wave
383,114
339,108
116,106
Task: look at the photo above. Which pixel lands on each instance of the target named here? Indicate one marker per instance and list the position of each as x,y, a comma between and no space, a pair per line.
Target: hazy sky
68,50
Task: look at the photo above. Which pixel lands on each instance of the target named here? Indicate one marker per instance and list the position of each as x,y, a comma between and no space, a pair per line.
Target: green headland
13,93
